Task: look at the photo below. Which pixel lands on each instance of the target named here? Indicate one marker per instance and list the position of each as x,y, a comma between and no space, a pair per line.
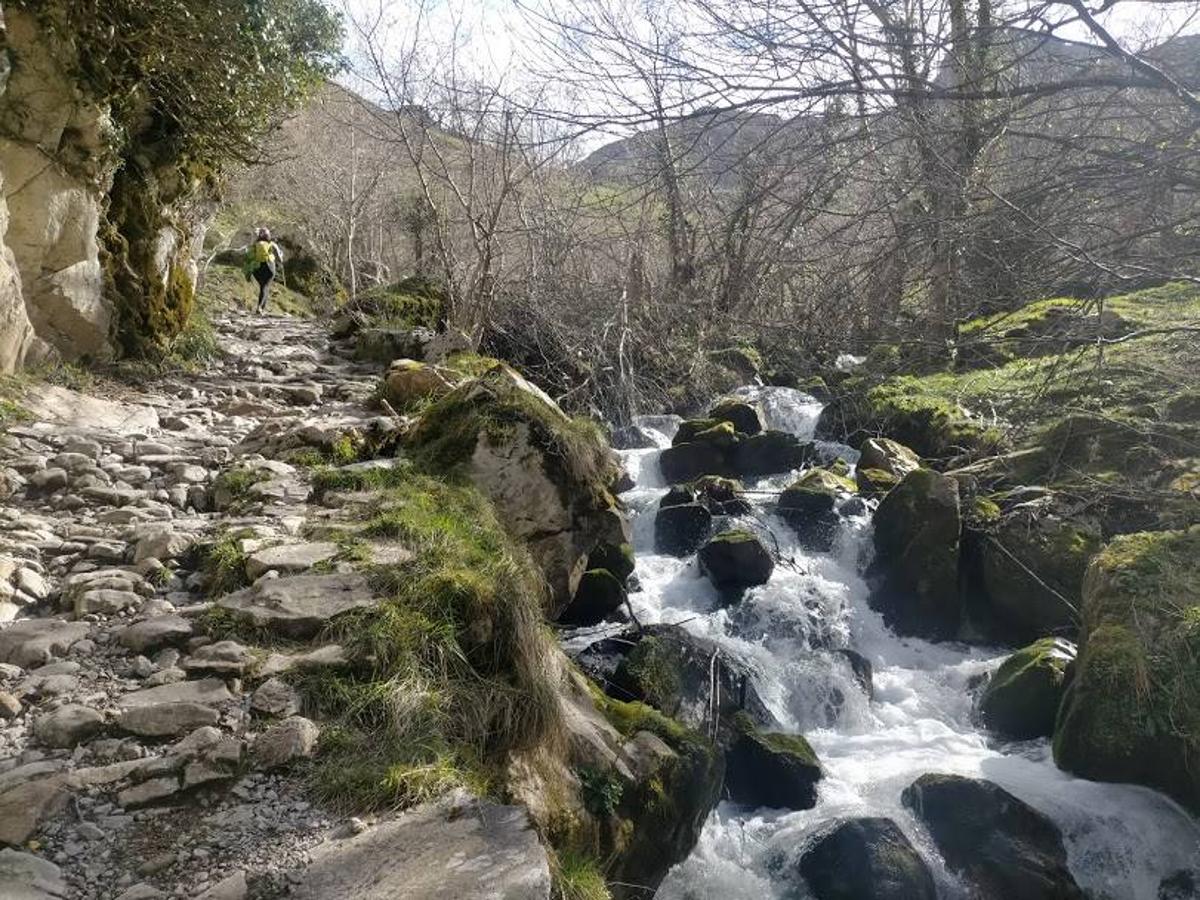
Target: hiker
262,259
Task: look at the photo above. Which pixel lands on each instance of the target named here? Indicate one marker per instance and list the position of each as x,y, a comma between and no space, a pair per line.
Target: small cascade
1121,839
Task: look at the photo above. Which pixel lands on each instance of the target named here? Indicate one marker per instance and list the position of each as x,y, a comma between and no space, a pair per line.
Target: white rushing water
1121,839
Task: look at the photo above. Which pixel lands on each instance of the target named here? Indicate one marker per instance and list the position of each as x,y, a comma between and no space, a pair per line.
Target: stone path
139,757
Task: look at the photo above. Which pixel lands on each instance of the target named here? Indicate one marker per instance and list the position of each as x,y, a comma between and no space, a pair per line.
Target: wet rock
746,418
68,725
599,595
681,530
1022,697
292,739
862,669
874,482
714,432
736,559
917,533
865,859
770,769
300,606
808,505
32,642
687,462
289,559
419,856
1001,846
770,453
24,876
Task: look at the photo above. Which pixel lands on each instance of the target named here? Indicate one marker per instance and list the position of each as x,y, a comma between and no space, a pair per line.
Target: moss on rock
1022,697
1132,712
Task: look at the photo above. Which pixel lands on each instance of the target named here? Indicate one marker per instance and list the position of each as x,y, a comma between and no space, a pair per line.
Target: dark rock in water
736,559
1002,846
917,532
770,769
1022,697
866,859
671,669
770,453
1181,885
720,496
623,483
874,482
687,462
599,595
855,506
715,432
633,437
808,505
617,558
681,530
862,669
746,418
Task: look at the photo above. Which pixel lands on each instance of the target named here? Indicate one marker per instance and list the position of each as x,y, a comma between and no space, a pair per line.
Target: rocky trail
139,756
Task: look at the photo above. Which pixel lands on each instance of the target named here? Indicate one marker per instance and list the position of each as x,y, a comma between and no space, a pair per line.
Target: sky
496,41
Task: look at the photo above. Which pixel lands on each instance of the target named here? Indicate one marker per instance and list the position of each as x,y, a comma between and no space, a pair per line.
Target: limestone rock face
465,848
55,167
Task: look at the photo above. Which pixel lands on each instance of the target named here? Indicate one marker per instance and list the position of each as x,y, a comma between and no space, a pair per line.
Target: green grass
225,287
224,565
577,876
453,671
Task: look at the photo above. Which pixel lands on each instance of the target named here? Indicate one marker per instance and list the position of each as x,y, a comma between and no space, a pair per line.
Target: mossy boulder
671,669
736,559
808,506
720,496
704,431
1132,711
865,859
1033,560
874,482
409,382
546,473
764,768
917,534
687,462
616,558
746,418
770,453
599,595
889,456
1022,697
681,529
1002,847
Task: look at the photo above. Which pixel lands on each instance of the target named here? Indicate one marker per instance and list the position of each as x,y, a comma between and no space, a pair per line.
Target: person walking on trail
263,259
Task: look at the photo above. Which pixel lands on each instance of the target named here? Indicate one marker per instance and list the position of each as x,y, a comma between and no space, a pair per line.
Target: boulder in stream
745,417
808,505
1002,846
917,533
682,529
886,455
599,595
736,559
865,859
1022,697
764,768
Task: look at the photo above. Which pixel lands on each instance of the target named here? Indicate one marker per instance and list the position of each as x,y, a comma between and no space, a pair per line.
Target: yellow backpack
262,252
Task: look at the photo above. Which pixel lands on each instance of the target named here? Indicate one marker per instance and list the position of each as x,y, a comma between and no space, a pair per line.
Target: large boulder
599,595
865,859
1002,847
770,453
546,474
460,847
672,670
1033,563
408,382
682,529
736,559
1022,697
745,417
917,532
1132,710
764,768
809,506
716,432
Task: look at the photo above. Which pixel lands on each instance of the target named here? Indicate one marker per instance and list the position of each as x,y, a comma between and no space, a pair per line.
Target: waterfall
1121,839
